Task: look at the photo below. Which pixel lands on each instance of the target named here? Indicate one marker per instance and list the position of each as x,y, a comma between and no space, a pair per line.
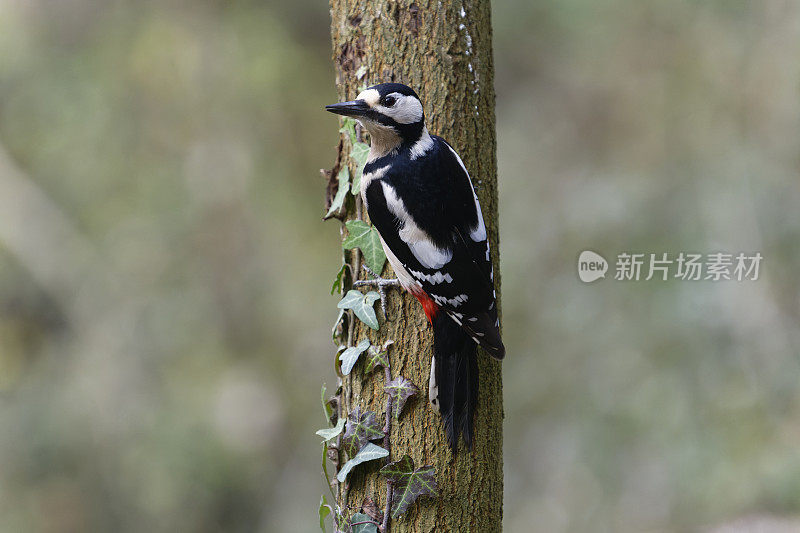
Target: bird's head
390,112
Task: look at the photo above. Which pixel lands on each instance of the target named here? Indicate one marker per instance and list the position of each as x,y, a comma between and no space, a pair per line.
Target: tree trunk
443,50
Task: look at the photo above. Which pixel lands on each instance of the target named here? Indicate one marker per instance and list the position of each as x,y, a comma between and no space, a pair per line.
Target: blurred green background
165,275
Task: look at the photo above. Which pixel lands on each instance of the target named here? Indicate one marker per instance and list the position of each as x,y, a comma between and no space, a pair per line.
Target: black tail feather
456,378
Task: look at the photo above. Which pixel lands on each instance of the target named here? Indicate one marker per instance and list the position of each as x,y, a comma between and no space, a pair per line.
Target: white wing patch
420,244
478,233
434,279
458,300
429,254
406,280
452,302
433,388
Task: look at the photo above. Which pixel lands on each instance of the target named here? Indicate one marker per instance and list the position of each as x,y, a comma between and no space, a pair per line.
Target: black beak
355,108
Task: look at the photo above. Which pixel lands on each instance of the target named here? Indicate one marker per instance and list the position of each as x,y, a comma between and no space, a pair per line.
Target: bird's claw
379,283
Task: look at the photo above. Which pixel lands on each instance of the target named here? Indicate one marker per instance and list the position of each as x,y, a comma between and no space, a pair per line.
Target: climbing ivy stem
387,376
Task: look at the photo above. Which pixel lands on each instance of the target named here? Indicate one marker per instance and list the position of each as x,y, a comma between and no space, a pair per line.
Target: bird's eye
389,101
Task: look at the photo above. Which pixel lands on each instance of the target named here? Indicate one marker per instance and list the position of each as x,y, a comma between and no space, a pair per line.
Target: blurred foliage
654,126
158,362
165,276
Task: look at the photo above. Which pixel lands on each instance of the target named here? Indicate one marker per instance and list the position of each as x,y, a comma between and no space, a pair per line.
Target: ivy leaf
361,523
332,405
378,357
331,433
341,192
324,510
350,299
350,356
361,304
409,484
349,129
370,508
335,331
325,464
363,236
325,407
337,283
360,428
337,364
370,452
400,390
359,154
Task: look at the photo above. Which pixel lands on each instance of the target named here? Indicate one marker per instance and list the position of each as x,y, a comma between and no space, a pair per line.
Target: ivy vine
350,437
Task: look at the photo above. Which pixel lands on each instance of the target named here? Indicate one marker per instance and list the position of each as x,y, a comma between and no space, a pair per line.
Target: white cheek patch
370,96
406,109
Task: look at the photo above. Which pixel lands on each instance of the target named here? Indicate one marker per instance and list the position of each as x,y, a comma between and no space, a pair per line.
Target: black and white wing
429,218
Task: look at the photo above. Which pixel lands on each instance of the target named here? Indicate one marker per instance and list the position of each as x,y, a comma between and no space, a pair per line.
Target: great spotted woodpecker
421,200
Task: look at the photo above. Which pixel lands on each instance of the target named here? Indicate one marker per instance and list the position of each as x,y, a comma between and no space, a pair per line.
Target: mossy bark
443,50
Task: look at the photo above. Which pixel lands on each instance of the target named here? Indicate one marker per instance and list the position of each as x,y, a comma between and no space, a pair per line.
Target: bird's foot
379,283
